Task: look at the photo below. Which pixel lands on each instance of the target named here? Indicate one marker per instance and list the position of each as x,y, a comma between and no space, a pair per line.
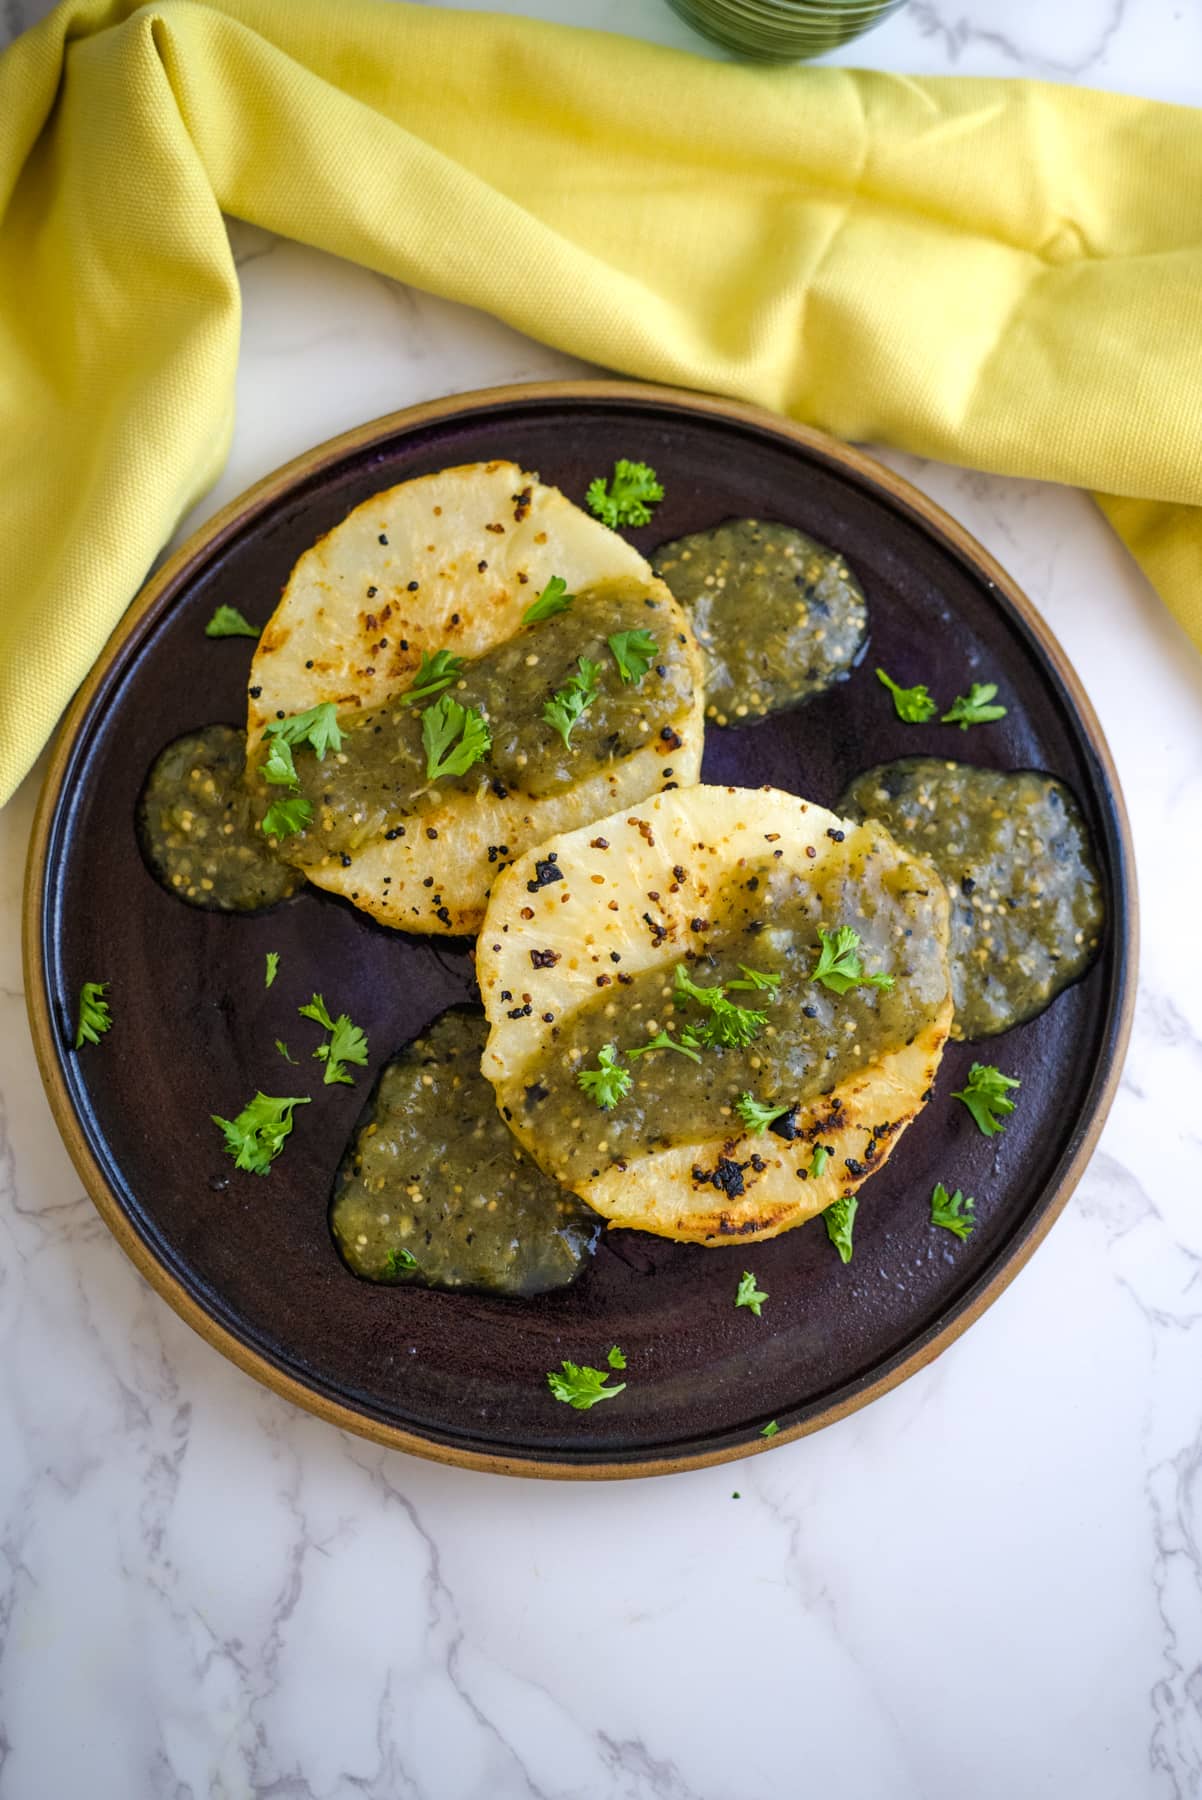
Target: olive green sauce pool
811,1040
779,617
199,826
434,1173
1015,854
378,778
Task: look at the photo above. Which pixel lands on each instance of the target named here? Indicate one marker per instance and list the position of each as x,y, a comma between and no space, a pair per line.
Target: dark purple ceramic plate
250,1262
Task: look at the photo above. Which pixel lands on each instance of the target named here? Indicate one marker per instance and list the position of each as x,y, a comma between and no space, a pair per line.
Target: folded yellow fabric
996,273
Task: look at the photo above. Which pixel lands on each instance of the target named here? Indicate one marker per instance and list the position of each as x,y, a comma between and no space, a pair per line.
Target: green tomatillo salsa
804,1038
434,1189
1015,855
779,618
198,823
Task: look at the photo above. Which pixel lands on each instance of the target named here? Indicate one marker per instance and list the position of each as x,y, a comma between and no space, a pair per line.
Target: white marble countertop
987,1585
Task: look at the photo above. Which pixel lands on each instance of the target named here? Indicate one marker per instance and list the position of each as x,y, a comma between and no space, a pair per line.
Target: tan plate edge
224,523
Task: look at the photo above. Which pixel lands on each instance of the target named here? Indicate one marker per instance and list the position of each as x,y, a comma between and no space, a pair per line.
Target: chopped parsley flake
227,621
820,1159
318,727
284,1051
634,652
840,1217
627,497
913,704
756,1116
987,1098
255,1138
974,707
952,1211
272,969
749,1295
436,673
455,738
839,967
608,1083
286,816
582,1387
399,1262
565,708
347,1043
554,599
770,1429
94,1015
754,978
686,1044
615,1359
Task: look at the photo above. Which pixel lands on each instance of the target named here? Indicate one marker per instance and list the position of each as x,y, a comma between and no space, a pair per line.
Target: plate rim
223,525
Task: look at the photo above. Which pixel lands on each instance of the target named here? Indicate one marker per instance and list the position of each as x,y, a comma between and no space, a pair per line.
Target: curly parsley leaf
436,673
840,1217
284,1051
227,621
94,1015
284,817
609,1082
770,1429
565,708
272,969
615,1359
255,1138
749,1294
819,1160
455,738
686,1044
317,727
756,1116
554,599
839,967
753,978
347,1043
280,769
727,1024
399,1262
627,497
913,704
634,652
582,1387
952,1211
973,708
987,1098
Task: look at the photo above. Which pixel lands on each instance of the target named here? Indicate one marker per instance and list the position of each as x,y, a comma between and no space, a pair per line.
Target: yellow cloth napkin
995,273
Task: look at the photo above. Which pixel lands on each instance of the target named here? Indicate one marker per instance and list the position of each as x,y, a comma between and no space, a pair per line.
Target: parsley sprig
227,621
986,1095
94,1015
952,1211
913,704
579,1386
347,1043
628,497
727,1024
839,966
564,710
749,1294
436,673
840,1219
609,1082
455,738
756,1116
634,652
974,708
554,599
255,1138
